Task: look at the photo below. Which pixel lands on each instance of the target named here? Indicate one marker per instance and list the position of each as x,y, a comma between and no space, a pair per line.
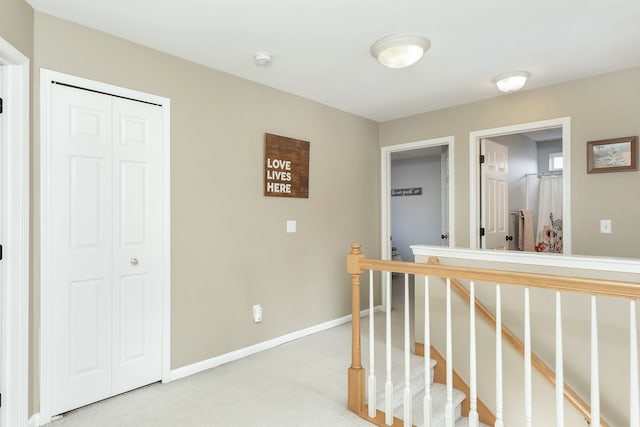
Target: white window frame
552,157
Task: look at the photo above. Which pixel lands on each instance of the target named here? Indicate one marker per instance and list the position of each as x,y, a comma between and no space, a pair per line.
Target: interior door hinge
0,252
481,159
481,231
0,105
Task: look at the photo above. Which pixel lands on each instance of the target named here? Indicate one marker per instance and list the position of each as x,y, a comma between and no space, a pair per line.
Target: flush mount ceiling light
511,82
400,50
262,59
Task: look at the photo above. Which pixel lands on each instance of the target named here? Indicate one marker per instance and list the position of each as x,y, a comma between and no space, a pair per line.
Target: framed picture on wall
612,155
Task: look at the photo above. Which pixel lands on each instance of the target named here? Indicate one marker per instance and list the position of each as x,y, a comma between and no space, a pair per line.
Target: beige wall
229,246
16,25
601,107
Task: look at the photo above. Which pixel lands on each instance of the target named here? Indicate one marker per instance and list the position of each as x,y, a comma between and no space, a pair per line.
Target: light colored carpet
302,383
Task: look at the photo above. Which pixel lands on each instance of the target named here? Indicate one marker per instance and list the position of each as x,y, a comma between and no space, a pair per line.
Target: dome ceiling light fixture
511,82
262,59
400,50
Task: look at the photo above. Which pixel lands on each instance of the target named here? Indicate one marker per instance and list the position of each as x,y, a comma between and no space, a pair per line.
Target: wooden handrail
358,263
569,394
589,286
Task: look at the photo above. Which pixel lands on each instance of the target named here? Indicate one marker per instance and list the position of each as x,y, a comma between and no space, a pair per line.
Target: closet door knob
134,261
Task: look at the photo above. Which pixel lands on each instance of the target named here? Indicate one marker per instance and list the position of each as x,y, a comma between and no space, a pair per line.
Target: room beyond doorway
408,153
561,127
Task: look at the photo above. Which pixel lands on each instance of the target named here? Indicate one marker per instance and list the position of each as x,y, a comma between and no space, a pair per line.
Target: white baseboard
197,367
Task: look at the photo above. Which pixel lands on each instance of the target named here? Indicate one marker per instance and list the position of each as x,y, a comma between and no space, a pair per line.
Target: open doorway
520,181
418,200
420,163
417,165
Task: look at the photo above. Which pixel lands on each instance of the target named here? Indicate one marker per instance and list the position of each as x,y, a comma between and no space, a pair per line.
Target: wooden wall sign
286,167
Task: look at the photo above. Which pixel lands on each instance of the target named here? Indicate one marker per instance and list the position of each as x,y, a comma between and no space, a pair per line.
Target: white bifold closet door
106,293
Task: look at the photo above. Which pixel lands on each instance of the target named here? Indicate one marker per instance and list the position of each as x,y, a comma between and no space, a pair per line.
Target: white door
494,194
105,286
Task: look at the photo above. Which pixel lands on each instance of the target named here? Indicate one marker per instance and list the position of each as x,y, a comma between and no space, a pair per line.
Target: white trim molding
595,263
385,180
15,280
474,173
46,77
213,362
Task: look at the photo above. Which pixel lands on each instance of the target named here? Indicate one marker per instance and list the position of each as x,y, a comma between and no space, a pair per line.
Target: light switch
291,226
605,226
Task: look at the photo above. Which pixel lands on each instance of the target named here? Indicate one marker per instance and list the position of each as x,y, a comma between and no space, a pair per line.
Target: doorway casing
474,173
15,280
385,195
46,77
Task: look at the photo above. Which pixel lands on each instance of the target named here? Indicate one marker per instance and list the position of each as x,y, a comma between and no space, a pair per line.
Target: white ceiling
320,48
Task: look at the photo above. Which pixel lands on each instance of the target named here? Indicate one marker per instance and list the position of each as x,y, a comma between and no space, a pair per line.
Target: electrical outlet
257,313
605,226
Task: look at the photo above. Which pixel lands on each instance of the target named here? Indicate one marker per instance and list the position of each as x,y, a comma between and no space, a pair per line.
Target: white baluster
527,361
595,377
473,391
388,385
371,390
559,362
499,415
408,397
427,401
449,406
634,395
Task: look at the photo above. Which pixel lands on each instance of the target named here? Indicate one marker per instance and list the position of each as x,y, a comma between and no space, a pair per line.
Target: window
555,162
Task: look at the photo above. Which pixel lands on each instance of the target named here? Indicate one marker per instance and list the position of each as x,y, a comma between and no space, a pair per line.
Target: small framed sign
286,167
417,191
612,155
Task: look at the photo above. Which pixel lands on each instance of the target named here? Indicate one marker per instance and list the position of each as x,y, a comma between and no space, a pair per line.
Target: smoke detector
262,59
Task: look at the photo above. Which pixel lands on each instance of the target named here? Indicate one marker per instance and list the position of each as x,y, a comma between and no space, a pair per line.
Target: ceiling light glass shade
511,82
400,50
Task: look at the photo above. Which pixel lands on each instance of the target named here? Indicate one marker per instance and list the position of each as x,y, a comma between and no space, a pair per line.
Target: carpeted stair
438,391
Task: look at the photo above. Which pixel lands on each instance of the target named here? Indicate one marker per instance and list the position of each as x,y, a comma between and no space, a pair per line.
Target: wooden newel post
356,372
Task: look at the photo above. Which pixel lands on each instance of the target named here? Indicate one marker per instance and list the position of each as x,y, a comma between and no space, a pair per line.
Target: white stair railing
595,375
408,396
528,403
371,390
427,401
634,396
448,411
357,262
388,385
559,364
499,412
473,362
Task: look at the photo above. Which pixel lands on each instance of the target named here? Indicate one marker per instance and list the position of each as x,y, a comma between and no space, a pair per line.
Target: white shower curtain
549,236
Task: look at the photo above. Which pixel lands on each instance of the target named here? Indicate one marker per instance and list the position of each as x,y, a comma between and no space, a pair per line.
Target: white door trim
15,282
385,195
47,245
474,186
